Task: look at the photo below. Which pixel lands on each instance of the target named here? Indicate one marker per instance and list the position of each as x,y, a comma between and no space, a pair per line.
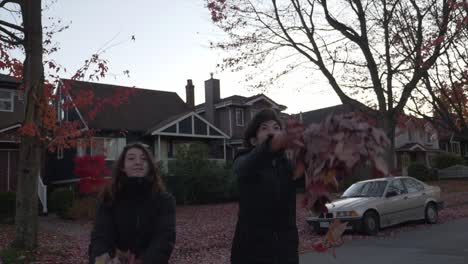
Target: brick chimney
212,96
190,94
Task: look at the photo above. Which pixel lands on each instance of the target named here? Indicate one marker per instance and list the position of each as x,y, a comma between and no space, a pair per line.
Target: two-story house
160,119
416,140
454,143
232,114
11,116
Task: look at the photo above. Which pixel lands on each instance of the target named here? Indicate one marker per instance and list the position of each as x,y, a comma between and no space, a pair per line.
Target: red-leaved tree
39,76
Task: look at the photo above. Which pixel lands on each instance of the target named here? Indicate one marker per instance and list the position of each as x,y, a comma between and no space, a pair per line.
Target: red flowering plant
92,171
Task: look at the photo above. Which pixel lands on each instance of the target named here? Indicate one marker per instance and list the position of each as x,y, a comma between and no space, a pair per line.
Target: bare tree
442,97
373,53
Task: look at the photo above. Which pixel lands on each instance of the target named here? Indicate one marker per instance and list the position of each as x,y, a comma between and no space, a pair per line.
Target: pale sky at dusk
172,45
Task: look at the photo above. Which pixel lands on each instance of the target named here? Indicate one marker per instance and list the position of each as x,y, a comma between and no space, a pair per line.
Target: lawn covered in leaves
204,233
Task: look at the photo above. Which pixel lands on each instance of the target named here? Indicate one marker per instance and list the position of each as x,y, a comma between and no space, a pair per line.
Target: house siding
11,118
8,169
223,120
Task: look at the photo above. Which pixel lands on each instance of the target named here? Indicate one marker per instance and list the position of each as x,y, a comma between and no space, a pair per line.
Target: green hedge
7,206
193,179
447,160
420,172
60,200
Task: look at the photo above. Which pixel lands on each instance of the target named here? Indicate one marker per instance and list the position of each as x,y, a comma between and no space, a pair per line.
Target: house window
455,147
81,148
6,101
410,135
240,117
108,147
60,153
430,137
253,112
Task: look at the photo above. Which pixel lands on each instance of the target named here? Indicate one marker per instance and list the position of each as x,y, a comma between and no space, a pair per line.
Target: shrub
60,200
194,179
419,171
7,206
82,208
447,160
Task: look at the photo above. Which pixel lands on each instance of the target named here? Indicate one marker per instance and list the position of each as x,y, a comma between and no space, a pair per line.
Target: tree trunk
30,155
388,124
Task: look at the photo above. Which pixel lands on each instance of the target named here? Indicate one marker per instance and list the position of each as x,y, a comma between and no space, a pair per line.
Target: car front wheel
431,213
370,223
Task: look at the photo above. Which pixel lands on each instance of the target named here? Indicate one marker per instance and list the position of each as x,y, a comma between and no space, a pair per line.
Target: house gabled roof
144,108
9,79
411,147
9,128
317,116
238,100
188,124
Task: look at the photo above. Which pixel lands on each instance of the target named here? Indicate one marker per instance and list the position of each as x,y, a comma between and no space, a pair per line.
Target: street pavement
438,244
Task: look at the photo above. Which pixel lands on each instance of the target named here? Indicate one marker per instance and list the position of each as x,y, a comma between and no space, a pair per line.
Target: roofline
18,125
192,113
120,86
248,103
74,106
264,97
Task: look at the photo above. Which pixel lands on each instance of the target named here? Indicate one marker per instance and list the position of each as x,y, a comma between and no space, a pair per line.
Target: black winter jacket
143,223
266,230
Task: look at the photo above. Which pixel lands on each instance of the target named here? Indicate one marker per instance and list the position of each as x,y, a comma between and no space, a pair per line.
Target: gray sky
172,45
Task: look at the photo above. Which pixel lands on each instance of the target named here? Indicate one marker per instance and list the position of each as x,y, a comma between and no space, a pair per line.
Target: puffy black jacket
266,230
143,223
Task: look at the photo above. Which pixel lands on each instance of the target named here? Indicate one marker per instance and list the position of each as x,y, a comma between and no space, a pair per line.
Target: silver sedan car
370,205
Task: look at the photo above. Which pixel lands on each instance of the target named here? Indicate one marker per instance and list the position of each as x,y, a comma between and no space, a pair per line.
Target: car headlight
347,214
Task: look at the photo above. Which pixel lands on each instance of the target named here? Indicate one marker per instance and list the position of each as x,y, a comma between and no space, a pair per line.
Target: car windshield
366,189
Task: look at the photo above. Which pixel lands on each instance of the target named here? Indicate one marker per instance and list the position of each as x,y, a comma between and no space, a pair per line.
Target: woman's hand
106,259
290,138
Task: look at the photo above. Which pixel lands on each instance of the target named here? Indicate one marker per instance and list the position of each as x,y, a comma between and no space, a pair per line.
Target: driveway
438,244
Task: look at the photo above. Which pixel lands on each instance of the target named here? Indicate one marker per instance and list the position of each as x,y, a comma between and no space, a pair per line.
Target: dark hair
259,118
154,174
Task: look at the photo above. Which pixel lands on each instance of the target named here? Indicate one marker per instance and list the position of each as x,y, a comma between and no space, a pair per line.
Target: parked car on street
370,205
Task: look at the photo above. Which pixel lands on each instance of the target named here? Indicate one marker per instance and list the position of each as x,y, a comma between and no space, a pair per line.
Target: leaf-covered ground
204,233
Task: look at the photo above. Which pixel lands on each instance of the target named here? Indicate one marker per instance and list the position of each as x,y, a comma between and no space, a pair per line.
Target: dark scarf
135,187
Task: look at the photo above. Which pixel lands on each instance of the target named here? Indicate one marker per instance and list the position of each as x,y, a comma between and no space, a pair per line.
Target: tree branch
4,23
10,34
9,41
4,2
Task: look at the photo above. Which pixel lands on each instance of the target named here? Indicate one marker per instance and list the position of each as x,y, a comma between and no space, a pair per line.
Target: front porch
414,153
188,128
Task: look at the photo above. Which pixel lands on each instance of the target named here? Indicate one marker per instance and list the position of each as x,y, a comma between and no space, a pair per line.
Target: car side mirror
391,194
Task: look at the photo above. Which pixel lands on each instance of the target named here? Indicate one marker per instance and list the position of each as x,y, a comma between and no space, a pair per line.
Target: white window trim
238,123
456,143
253,112
121,142
60,152
12,100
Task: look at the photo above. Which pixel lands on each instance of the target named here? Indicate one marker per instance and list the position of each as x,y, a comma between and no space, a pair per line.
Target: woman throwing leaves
135,221
266,230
